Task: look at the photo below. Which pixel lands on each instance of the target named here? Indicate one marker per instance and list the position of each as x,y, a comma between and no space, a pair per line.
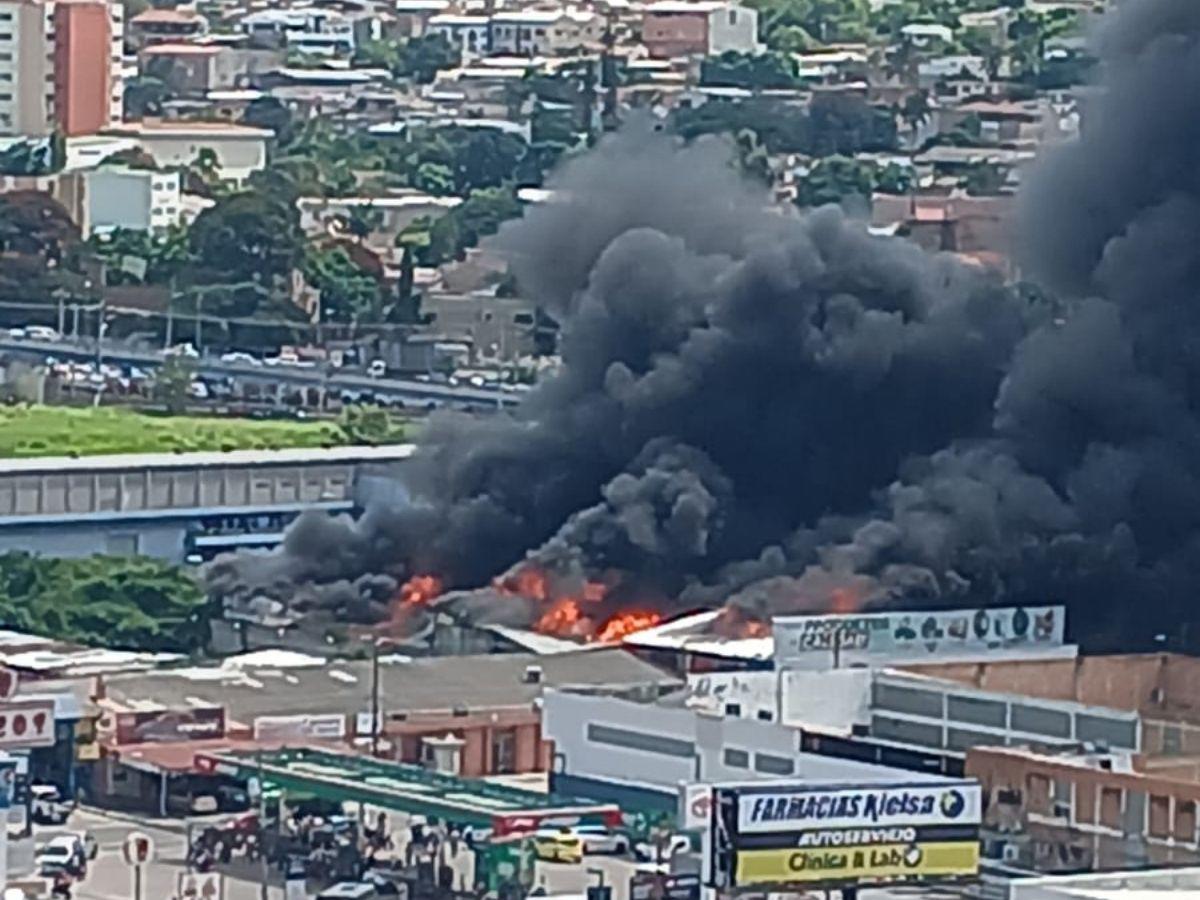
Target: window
638,740
976,711
5,96
1103,730
1039,720
765,715
905,732
963,739
1185,821
736,759
504,751
1172,740
906,700
773,765
733,709
733,17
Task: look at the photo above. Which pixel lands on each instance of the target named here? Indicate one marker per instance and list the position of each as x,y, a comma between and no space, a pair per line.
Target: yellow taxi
558,845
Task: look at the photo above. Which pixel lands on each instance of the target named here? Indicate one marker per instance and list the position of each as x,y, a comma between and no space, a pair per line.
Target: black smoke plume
774,407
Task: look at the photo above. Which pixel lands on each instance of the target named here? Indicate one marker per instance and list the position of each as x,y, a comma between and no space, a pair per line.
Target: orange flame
594,591
528,582
563,617
626,623
420,589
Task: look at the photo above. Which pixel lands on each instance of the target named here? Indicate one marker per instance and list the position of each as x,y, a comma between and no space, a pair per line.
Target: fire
626,623
563,617
594,591
528,582
419,590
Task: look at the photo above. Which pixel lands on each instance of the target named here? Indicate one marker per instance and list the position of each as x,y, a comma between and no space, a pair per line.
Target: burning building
793,413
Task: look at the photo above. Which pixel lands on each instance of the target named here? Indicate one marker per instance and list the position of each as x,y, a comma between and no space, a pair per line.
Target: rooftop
430,684
154,16
151,128
691,633
287,456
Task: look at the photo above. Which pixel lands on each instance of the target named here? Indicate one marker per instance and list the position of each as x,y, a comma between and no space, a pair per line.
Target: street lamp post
375,698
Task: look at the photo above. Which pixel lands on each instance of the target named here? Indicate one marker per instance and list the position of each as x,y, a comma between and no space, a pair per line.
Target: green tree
370,425
270,113
173,382
107,601
434,178
349,293
405,307
249,236
448,237
984,179
423,57
753,71
834,180
33,223
142,257
790,39
144,96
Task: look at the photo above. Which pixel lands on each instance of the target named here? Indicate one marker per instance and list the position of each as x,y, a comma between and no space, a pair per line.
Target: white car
377,368
598,839
239,358
18,334
65,853
182,350
42,333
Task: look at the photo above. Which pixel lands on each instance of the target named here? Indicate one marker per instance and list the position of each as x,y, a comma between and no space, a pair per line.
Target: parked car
349,890
239,358
47,806
377,368
41,333
598,839
185,349
18,334
557,845
65,853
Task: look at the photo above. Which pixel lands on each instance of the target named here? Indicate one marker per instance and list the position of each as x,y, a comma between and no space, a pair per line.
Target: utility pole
170,314
197,333
100,330
374,698
61,296
264,872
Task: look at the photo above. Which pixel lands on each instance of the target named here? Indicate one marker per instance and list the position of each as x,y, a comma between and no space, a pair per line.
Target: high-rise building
60,66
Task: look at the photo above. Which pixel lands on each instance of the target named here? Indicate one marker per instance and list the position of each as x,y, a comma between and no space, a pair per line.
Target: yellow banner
880,862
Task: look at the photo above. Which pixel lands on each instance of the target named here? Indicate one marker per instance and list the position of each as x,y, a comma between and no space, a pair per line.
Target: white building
308,29
240,149
532,32
620,749
675,28
44,76
130,198
391,215
471,34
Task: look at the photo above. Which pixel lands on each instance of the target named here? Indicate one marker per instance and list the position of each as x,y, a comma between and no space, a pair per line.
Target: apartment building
135,199
60,66
672,28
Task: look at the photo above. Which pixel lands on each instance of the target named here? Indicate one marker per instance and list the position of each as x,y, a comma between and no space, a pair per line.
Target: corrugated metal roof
205,458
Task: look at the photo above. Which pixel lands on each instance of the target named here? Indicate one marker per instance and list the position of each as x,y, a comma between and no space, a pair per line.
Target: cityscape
599,449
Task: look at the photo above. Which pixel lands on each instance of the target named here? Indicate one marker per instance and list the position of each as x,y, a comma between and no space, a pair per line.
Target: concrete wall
1147,682
722,749
52,494
163,540
733,28
117,199
836,700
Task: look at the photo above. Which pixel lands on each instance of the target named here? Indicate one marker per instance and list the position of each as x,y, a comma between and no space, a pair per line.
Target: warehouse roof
406,684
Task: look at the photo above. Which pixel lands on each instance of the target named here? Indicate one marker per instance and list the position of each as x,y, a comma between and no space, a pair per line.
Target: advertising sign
882,806
812,642
836,833
169,726
28,723
695,806
289,728
886,862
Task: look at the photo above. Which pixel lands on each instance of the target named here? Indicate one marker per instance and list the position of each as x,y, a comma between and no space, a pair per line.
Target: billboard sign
28,723
695,806
837,833
884,862
814,642
167,726
292,728
887,805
